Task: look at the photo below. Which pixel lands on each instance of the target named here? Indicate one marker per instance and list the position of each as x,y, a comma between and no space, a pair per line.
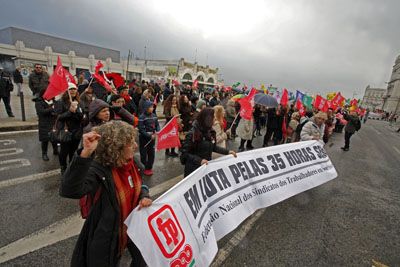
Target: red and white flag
58,81
247,104
341,118
300,107
99,78
175,82
284,98
155,100
339,99
321,103
195,83
168,137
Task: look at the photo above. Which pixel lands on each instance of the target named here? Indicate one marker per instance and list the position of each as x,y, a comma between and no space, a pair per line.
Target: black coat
6,85
72,119
197,146
18,77
47,118
97,244
273,119
186,117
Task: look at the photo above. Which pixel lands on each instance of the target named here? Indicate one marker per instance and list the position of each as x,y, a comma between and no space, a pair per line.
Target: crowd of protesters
98,155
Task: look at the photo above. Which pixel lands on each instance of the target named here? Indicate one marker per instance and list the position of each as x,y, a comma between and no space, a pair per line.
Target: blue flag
299,95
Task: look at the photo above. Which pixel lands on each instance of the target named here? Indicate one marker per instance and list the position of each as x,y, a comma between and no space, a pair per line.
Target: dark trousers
67,149
268,135
45,144
347,136
242,141
146,153
137,258
6,100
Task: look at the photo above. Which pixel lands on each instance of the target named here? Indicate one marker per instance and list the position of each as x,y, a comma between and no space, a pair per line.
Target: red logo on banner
184,259
166,231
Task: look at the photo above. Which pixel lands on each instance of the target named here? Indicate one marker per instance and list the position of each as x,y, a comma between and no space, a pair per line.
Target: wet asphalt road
346,222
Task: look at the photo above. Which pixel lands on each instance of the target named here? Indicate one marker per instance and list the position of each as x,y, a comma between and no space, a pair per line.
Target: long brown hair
65,97
205,118
182,103
168,103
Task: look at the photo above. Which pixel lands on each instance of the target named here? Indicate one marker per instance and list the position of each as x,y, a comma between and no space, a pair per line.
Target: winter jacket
72,119
352,120
38,81
186,117
221,138
6,85
47,117
214,102
197,146
18,77
245,129
97,244
85,101
167,92
140,108
230,113
273,119
115,111
311,130
148,123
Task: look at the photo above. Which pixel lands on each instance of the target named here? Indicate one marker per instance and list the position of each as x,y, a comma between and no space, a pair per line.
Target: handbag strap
55,124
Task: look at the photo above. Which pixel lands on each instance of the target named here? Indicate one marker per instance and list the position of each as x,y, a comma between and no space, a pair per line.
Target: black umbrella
266,100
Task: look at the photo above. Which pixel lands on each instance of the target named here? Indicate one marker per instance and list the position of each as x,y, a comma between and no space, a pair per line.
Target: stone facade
392,97
373,98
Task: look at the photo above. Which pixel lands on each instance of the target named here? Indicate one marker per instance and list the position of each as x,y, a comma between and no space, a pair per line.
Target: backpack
299,128
85,204
358,125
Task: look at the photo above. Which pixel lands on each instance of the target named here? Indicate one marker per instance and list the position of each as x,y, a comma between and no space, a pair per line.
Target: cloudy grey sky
316,46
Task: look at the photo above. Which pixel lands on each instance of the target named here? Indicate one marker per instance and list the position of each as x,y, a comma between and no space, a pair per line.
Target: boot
173,153
45,157
249,146
62,169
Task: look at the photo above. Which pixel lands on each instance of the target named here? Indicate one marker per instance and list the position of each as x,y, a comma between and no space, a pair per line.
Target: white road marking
10,151
61,230
18,132
8,142
29,178
224,252
24,162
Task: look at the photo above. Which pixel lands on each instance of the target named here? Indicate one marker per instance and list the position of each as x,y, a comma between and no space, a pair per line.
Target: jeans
347,136
6,100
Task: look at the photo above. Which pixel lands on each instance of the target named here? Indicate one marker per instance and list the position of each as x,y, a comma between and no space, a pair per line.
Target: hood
200,103
146,105
95,108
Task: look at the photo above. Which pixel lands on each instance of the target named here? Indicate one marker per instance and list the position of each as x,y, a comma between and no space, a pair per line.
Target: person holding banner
200,142
105,168
148,128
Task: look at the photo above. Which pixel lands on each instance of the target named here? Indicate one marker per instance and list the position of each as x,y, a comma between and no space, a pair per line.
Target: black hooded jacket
197,146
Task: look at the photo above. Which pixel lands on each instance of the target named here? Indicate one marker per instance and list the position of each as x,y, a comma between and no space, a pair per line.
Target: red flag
341,118
175,82
284,98
58,81
118,80
229,88
168,137
100,78
245,88
300,107
155,100
321,103
284,131
353,102
195,83
338,99
247,104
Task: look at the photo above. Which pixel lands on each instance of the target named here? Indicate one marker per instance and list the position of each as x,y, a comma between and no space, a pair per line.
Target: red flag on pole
175,82
300,107
284,130
284,98
321,103
58,81
247,104
338,99
168,137
353,102
341,118
100,78
195,83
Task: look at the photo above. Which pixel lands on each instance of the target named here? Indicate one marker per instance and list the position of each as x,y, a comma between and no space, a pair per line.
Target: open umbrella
266,100
237,89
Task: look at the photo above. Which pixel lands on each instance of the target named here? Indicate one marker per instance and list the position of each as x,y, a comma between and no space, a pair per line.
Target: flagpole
234,121
70,98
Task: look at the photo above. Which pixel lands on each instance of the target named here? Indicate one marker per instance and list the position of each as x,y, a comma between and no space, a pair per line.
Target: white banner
182,226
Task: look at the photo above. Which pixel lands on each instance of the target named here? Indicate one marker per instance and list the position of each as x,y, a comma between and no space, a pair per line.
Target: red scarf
127,98
128,184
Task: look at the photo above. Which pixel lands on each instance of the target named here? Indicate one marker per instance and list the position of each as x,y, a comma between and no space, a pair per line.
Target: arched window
187,76
210,80
200,78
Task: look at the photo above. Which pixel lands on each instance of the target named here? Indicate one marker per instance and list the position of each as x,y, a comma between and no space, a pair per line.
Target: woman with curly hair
105,167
